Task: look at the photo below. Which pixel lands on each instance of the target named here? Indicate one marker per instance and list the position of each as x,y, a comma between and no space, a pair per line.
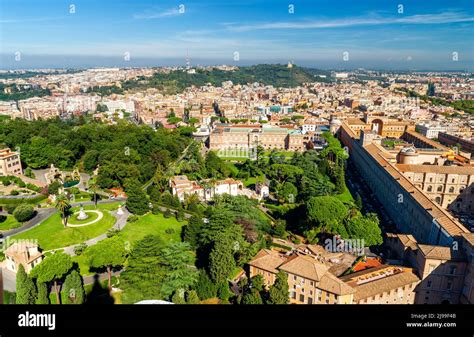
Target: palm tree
63,206
94,187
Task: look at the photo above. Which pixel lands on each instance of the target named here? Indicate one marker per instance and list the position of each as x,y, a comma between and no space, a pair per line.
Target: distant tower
188,60
290,64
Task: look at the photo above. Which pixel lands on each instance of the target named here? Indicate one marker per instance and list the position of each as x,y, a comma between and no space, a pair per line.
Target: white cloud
157,15
441,18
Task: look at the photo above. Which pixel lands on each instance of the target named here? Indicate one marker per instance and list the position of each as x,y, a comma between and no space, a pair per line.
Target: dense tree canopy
52,269
122,151
25,287
108,253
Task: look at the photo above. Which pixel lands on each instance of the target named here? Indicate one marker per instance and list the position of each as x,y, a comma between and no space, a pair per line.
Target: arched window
438,200
430,188
440,188
451,189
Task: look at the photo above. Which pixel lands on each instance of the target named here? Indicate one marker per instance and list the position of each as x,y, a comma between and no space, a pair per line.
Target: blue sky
375,35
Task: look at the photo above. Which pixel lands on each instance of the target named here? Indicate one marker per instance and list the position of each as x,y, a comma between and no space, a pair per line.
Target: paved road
9,280
44,213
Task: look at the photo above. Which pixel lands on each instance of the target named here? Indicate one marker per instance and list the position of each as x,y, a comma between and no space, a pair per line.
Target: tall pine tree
137,202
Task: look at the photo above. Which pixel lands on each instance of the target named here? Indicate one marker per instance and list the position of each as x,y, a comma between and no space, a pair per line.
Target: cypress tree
43,296
25,287
205,288
192,297
73,290
137,202
221,259
278,293
178,297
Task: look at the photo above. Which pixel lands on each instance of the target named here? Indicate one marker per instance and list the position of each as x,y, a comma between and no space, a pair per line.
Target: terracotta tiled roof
268,260
334,285
445,220
375,281
440,252
408,240
19,252
305,266
469,237
369,263
434,144
467,170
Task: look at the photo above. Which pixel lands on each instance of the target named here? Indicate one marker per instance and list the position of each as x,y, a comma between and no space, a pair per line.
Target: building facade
10,163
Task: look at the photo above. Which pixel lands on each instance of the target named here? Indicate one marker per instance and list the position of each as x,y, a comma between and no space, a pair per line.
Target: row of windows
309,299
440,189
14,164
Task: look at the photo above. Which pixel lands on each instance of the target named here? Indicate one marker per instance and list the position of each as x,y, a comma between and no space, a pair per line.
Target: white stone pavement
119,224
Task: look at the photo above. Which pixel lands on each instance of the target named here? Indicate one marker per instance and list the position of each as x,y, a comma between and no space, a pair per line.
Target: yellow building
310,281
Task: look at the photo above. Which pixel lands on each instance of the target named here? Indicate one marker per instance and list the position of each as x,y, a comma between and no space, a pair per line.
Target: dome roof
408,150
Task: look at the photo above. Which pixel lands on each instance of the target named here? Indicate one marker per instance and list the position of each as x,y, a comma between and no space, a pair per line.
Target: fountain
119,210
82,215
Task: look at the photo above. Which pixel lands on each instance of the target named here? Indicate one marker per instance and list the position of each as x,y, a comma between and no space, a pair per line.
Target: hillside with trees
269,74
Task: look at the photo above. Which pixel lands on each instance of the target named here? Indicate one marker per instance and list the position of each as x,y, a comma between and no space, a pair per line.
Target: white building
25,253
181,187
430,131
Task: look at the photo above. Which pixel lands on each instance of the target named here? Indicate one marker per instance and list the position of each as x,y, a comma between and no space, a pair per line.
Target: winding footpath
44,213
119,224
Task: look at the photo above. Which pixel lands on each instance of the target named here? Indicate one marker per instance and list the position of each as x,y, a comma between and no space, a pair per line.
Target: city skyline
374,35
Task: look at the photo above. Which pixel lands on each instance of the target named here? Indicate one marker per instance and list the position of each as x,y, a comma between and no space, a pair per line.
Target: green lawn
75,221
9,223
51,233
81,260
152,224
287,154
134,231
345,197
82,196
250,181
240,159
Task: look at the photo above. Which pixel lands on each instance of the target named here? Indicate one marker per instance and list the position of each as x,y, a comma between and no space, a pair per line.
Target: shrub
24,212
112,232
3,218
132,218
205,288
79,249
33,187
54,187
10,208
14,192
156,209
169,231
180,215
167,214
